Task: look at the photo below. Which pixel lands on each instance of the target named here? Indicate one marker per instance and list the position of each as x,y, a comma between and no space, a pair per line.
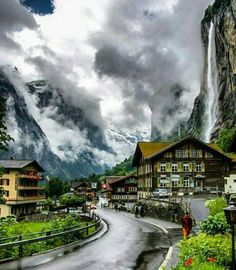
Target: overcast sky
117,60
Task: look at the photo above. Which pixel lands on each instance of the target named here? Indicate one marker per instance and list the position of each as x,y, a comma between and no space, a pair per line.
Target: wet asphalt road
128,244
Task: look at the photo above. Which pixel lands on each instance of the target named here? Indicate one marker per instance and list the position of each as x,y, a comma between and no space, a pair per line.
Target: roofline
184,139
30,161
122,178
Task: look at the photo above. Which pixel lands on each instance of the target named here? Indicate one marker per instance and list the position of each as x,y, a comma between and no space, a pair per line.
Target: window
181,153
163,167
120,189
198,167
174,167
175,183
4,182
163,182
6,193
186,167
168,155
186,181
208,155
195,153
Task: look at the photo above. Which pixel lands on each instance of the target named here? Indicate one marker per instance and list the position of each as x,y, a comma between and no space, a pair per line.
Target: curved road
129,244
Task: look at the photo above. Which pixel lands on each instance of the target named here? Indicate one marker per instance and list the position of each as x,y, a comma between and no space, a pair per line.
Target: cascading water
212,87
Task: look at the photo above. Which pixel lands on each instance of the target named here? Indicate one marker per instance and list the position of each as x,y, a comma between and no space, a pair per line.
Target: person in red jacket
187,224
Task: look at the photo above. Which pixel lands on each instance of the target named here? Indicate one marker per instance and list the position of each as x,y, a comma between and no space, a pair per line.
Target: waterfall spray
212,87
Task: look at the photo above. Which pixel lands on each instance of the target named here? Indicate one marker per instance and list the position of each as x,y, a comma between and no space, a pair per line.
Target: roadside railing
67,235
38,217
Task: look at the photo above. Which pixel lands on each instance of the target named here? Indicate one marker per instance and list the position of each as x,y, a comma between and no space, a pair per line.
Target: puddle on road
157,245
149,260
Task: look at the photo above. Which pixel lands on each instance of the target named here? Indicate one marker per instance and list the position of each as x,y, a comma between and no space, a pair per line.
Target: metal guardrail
44,236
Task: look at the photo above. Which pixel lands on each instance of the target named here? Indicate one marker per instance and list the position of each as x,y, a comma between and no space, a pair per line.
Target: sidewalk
173,230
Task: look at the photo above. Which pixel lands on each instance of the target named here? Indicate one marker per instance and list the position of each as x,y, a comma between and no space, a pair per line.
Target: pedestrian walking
136,211
187,224
141,211
116,206
119,207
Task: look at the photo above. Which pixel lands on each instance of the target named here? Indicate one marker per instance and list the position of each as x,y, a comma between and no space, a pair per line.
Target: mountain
49,128
214,109
31,142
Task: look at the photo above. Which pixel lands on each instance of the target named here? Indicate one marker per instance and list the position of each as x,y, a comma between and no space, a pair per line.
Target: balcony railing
29,188
25,198
30,176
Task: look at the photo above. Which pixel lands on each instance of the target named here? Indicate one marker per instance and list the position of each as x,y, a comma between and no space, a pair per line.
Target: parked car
160,192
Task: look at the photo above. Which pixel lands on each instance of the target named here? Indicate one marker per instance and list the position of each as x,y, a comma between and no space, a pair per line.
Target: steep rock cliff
223,15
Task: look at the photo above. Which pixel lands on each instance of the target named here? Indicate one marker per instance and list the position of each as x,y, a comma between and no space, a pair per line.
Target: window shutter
190,167
158,166
203,166
179,166
200,153
168,167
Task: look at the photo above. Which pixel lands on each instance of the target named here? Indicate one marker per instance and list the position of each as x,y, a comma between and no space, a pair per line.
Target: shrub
226,135
203,246
215,225
216,205
210,265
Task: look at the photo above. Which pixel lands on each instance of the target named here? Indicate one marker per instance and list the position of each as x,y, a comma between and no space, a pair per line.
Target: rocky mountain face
223,16
66,114
31,142
48,128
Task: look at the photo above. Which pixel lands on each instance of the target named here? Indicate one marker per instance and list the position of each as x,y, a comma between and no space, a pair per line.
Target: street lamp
230,214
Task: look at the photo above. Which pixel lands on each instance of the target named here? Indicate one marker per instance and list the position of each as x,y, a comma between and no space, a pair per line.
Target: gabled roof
110,179
148,148
83,184
233,157
213,147
122,178
19,164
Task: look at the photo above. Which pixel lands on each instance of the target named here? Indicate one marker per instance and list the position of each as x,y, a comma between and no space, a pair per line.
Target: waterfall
212,87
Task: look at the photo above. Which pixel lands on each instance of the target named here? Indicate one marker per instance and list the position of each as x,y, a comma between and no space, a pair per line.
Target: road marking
168,255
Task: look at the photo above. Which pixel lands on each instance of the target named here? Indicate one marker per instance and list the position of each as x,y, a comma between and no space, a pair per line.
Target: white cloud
62,50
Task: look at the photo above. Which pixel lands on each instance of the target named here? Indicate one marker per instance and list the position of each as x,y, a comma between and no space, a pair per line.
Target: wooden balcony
28,199
29,188
30,176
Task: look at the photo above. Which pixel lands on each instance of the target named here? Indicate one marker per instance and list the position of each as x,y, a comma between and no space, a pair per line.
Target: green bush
9,227
216,205
216,224
195,265
203,246
225,138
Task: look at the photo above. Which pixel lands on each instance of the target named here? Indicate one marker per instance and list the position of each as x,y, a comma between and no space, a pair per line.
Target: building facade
188,165
85,189
20,181
124,189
